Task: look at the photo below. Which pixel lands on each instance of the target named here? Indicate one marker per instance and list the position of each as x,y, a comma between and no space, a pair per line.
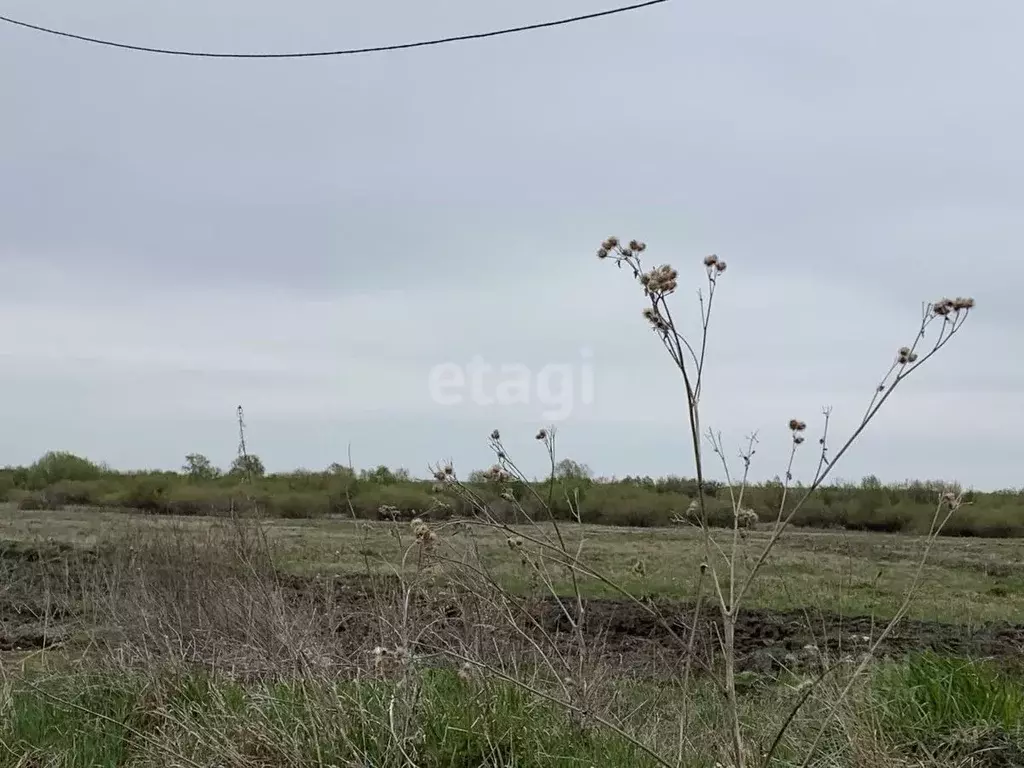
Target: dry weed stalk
660,282
575,670
538,547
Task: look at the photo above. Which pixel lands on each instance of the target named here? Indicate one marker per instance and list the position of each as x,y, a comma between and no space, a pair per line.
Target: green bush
193,500
34,500
60,478
77,492
409,499
55,466
296,505
632,506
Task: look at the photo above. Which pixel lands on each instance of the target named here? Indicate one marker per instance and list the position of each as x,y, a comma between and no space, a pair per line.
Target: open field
967,581
142,640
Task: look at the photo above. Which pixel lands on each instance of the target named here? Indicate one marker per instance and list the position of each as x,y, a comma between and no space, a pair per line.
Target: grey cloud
179,235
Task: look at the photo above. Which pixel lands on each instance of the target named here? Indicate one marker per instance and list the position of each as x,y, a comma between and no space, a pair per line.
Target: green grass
435,719
92,721
930,698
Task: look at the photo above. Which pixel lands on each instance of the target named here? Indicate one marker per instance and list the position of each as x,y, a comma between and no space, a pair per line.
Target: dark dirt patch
41,596
653,637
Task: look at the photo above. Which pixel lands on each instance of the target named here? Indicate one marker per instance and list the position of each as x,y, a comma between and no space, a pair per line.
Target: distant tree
54,466
567,469
198,467
248,466
383,475
341,470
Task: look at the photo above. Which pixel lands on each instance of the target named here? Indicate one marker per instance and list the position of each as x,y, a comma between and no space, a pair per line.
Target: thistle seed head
796,425
542,434
905,355
495,435
497,474
720,266
660,281
710,261
943,307
655,319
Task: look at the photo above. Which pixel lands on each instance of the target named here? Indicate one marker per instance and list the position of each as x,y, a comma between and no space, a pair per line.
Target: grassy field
144,640
966,580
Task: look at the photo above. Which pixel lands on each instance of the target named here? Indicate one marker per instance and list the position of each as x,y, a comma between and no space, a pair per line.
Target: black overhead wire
340,52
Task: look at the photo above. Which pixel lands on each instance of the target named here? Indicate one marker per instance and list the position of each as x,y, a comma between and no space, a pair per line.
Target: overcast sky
311,238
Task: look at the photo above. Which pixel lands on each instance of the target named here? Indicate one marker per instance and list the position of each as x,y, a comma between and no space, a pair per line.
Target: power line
340,52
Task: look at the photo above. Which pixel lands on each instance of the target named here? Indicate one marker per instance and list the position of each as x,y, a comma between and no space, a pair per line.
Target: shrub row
991,515
61,479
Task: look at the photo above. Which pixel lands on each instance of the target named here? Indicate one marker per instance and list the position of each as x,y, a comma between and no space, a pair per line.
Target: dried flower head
495,435
542,434
798,439
421,531
963,303
602,253
720,266
660,281
655,319
943,307
637,247
796,425
906,355
497,474
611,242
710,261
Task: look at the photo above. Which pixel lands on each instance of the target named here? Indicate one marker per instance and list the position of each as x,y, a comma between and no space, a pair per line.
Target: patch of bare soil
652,638
41,603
